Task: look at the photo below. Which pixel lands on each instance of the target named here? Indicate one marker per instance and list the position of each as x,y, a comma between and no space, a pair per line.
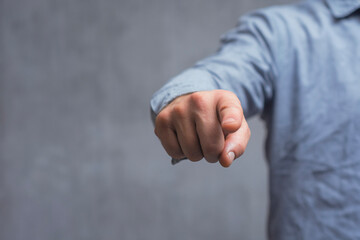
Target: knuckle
227,93
193,152
212,159
198,100
174,152
195,157
179,111
162,120
212,150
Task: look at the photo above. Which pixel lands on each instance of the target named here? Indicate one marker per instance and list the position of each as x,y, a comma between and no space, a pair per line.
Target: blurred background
78,157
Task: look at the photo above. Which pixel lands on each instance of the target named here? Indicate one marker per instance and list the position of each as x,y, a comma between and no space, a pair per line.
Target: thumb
235,144
229,111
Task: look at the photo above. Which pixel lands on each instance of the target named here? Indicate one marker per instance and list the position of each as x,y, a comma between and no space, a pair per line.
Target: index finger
229,112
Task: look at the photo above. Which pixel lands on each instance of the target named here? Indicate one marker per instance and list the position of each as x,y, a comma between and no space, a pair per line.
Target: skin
205,124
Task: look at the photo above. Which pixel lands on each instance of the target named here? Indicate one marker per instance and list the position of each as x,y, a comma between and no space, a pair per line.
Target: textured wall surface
78,158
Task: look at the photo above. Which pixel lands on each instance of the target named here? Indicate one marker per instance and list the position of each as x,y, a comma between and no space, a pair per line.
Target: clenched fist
205,124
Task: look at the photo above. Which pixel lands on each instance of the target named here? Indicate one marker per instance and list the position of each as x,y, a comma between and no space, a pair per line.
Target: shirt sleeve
244,64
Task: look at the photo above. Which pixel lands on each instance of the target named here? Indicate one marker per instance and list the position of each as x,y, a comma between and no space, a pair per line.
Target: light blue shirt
298,66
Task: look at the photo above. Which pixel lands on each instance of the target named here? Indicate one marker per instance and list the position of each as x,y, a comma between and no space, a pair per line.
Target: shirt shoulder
291,13
291,18
284,28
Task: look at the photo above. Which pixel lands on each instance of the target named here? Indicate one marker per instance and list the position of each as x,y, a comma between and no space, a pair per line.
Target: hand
205,124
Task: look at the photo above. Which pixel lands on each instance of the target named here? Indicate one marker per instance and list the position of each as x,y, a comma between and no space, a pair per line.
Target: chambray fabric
298,66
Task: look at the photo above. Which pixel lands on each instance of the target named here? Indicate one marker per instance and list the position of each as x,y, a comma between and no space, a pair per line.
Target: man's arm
195,124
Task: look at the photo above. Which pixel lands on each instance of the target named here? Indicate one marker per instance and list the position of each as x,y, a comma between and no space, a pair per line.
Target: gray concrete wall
78,158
